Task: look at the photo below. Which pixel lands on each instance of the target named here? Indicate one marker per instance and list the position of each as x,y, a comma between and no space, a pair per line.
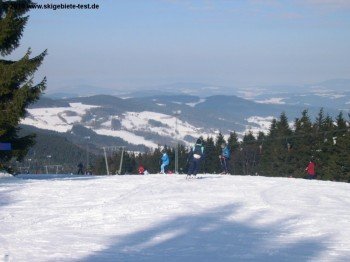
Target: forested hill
53,148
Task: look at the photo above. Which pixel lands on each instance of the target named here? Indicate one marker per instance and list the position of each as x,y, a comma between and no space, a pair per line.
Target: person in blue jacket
195,157
165,162
224,158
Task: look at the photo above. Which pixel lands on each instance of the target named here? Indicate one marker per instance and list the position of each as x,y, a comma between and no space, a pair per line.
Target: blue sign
5,146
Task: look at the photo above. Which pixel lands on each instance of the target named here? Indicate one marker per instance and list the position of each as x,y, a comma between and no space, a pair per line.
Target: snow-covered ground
258,124
62,119
272,100
167,218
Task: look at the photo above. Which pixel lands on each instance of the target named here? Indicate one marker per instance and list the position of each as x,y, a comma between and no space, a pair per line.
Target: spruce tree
339,157
219,141
277,153
211,160
303,143
249,153
17,90
233,144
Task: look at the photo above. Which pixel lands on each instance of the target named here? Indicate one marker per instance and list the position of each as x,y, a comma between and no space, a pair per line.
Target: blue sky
234,43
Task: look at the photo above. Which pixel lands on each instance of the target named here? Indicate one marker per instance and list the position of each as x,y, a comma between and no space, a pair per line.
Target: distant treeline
285,151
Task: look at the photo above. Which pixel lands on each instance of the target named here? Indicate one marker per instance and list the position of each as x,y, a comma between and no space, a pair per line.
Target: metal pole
104,150
176,148
121,162
87,156
176,114
87,138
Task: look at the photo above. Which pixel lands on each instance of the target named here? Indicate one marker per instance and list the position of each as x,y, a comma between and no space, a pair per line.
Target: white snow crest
202,100
4,174
260,124
140,121
273,100
58,119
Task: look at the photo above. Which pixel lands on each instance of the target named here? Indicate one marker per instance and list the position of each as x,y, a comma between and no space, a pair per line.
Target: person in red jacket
310,169
141,170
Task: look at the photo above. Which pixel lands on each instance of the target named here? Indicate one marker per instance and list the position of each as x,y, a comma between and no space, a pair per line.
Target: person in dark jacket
80,168
224,158
195,157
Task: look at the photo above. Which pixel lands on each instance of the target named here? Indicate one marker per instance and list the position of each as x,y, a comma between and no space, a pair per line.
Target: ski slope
167,218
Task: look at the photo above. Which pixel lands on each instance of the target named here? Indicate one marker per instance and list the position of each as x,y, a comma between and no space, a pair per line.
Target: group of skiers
195,158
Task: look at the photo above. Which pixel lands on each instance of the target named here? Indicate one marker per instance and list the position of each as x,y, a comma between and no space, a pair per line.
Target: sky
234,43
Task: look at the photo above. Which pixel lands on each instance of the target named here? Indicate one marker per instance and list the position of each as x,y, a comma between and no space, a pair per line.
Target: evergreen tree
17,91
232,142
183,158
234,147
211,160
277,158
249,153
338,164
341,123
320,121
303,143
248,137
219,141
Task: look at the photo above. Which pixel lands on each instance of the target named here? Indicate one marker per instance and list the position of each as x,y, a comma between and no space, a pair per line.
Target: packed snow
139,121
258,124
58,119
323,92
169,218
62,119
127,136
202,100
273,100
4,174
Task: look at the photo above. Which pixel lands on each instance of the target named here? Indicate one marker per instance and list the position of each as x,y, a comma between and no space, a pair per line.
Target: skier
165,162
141,170
224,158
195,157
310,169
80,168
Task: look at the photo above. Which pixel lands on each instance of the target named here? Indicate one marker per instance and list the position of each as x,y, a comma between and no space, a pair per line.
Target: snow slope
166,218
58,119
62,119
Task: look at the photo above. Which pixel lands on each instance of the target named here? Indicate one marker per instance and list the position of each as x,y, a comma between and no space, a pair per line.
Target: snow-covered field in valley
167,218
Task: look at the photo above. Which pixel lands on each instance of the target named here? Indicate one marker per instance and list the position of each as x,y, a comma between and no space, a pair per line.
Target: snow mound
5,175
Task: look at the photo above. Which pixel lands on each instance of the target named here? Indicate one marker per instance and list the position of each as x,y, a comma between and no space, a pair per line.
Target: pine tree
211,161
339,157
249,153
233,144
303,143
17,90
341,123
277,157
320,121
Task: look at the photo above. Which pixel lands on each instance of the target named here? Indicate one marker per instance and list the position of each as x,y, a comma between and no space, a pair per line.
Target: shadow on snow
56,177
212,236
